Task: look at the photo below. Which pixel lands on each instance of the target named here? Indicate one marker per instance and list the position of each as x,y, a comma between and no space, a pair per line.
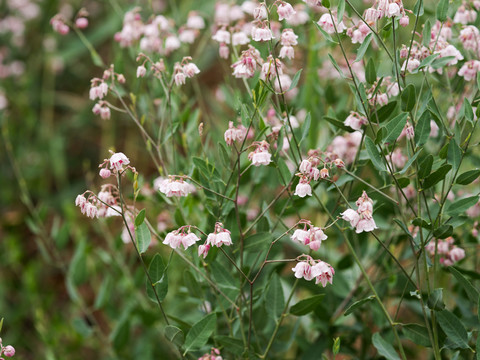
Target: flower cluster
309,171
362,219
158,35
214,355
312,237
174,186
235,133
345,147
449,253
7,350
355,120
105,204
117,163
260,156
182,236
99,89
314,269
219,237
185,69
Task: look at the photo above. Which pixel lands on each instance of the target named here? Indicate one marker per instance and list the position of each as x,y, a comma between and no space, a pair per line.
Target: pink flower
81,22
261,158
9,351
464,16
351,216
179,237
404,21
365,225
171,187
240,38
303,189
262,34
411,65
286,52
80,200
300,236
393,10
141,71
457,254
195,21
323,273
190,70
303,269
326,24
118,160
285,11
222,36
105,173
288,38
355,120
469,69
203,250
219,237
179,78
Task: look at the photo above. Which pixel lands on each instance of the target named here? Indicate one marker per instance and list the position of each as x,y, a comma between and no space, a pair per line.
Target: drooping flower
175,187
179,237
219,237
260,156
362,219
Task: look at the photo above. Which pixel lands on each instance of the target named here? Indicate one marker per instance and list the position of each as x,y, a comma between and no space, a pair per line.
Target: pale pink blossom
393,10
8,351
469,70
412,65
260,156
300,236
323,273
365,225
470,37
105,173
81,22
172,187
118,161
190,70
355,120
141,71
404,21
195,21
203,250
464,16
222,36
286,52
288,38
260,12
351,216
300,17
219,237
327,25
303,270
433,129
240,38
180,237
303,189
262,34
285,11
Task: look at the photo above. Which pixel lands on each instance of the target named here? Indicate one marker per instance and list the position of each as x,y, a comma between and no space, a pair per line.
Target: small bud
81,22
200,129
105,173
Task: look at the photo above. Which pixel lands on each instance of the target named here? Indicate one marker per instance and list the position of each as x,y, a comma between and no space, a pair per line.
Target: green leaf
422,223
223,277
408,98
441,62
325,34
453,328
200,332
340,9
454,154
403,227
306,127
427,31
417,333
336,346
422,129
459,206
140,218
425,167
335,65
435,300
158,275
426,62
305,306
468,177
363,48
384,348
358,304
471,291
337,123
222,151
442,9
326,3
409,163
478,347
443,231
370,72
77,270
374,154
436,176
258,242
235,346
386,111
284,171
274,300
395,127
418,8
295,80
468,111
143,237
175,335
